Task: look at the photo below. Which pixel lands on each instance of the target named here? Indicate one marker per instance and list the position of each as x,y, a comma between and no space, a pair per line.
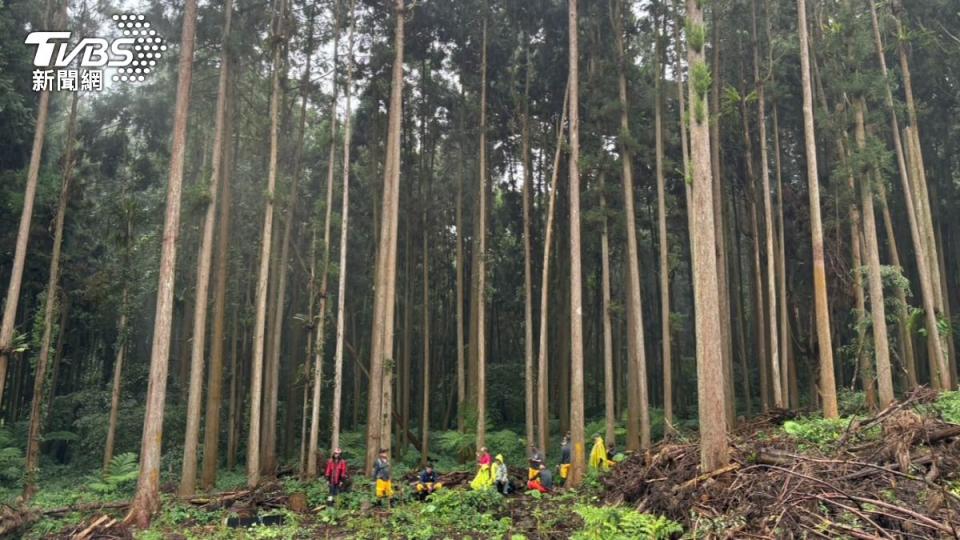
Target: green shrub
948,405
121,474
619,523
11,458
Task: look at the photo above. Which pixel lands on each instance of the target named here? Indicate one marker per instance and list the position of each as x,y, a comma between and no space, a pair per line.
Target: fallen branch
706,476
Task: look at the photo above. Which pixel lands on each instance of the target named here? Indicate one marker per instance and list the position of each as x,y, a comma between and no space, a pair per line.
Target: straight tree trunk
117,373
637,386
146,501
188,476
49,312
778,373
263,275
381,354
320,335
23,231
461,366
611,415
211,430
529,383
828,388
665,332
786,351
481,236
425,408
877,310
578,461
714,452
923,270
344,222
906,340
233,419
543,374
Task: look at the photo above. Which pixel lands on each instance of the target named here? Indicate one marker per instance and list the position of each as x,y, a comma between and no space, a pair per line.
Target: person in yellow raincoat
484,478
598,455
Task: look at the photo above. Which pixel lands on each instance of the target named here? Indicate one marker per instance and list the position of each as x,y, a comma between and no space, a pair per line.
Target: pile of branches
895,484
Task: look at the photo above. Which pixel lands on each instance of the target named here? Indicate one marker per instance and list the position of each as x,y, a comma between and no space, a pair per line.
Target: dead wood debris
896,485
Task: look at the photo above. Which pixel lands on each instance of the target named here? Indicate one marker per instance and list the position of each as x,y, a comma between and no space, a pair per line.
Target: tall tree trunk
828,388
233,418
778,371
263,275
211,430
877,309
188,476
710,373
23,231
923,262
461,366
864,367
146,501
639,415
665,332
425,408
529,383
481,252
786,351
543,409
342,272
49,312
906,340
379,406
611,416
723,282
320,332
117,379
577,442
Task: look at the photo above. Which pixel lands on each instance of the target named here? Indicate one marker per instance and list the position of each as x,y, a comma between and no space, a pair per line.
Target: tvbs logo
133,55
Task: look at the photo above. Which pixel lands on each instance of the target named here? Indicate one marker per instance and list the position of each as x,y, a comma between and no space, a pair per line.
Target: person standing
381,475
336,473
501,475
565,458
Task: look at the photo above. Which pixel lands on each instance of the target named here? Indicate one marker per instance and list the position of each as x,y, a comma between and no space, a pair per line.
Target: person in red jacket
336,473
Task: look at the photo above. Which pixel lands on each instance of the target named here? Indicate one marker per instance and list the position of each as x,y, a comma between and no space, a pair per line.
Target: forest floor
892,474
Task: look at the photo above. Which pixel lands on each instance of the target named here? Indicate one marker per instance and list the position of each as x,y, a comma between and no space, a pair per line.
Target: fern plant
121,473
11,458
618,523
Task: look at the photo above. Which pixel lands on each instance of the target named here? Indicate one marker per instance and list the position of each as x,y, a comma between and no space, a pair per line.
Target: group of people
492,472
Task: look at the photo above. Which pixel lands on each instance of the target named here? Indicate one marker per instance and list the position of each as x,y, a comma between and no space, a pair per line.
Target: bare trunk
529,382
481,235
877,310
714,452
665,332
926,285
578,461
611,417
637,386
117,380
543,411
188,477
778,374
786,351
344,222
49,312
263,275
146,501
828,388
381,353
211,430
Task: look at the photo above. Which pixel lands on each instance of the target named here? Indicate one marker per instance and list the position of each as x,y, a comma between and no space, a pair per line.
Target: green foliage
121,474
948,405
619,523
696,35
11,457
817,431
447,513
701,79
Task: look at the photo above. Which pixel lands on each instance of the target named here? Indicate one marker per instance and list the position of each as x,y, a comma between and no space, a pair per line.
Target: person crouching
427,482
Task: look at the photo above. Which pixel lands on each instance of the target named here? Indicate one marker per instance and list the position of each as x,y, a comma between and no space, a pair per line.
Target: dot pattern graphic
148,48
